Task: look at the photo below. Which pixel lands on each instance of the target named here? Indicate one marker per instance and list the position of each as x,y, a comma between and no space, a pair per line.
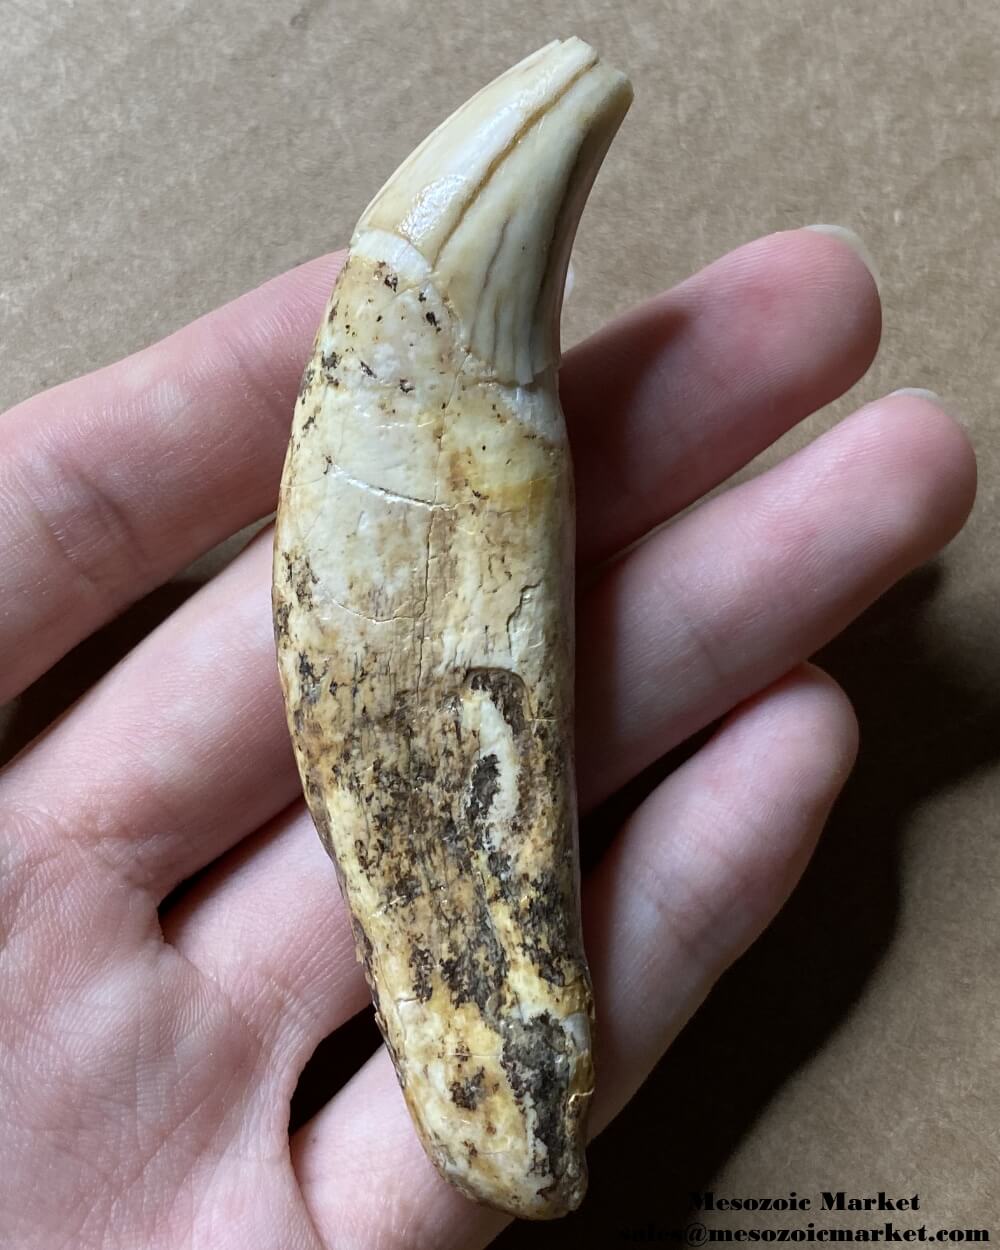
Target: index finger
113,482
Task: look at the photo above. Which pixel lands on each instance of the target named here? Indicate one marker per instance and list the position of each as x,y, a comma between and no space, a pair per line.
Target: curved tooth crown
492,198
423,609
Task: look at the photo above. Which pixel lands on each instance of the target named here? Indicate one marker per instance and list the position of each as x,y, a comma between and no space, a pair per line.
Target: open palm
148,1055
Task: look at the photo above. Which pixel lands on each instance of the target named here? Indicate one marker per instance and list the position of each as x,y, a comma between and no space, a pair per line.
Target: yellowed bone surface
423,601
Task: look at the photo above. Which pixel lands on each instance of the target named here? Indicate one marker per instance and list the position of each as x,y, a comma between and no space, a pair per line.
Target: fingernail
570,281
921,392
855,243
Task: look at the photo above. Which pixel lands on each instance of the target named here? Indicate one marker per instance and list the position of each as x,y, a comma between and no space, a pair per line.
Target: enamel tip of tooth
491,200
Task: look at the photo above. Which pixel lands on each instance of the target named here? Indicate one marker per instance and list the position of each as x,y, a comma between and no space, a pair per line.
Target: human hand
148,1055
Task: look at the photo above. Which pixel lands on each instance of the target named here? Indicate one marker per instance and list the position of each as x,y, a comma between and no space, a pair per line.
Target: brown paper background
159,157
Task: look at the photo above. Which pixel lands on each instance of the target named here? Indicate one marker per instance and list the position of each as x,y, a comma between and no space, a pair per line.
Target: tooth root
423,597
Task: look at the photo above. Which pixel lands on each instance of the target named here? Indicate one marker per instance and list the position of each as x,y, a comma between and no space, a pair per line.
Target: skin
147,1060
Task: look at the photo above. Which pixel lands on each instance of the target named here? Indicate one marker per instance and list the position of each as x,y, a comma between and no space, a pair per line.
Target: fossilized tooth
423,603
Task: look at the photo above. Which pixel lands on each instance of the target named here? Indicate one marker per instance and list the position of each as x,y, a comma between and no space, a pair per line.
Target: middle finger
671,399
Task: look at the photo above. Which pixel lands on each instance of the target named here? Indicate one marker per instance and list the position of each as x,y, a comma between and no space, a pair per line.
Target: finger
182,749
706,862
676,396
690,882
719,604
113,482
